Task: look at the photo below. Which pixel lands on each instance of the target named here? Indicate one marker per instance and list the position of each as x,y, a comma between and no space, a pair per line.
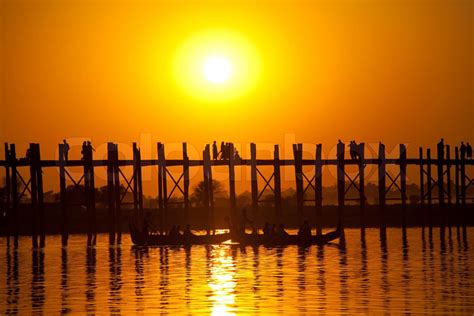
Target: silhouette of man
89,146
215,153
222,150
266,229
66,150
468,151
463,150
441,149
84,149
353,149
187,231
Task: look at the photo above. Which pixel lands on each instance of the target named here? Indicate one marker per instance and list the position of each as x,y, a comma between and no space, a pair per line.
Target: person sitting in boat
273,230
187,231
243,222
281,232
173,232
266,229
305,230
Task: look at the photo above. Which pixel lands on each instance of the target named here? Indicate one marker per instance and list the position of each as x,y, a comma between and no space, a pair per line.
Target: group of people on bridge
465,150
225,152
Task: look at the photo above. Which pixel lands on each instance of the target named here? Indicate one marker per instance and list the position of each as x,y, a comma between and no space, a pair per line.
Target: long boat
147,239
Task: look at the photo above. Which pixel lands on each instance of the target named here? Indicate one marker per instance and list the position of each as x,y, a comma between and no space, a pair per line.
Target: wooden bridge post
8,193
160,189
463,180
340,178
208,196
456,186
135,177
233,200
381,185
39,180
429,189
318,192
298,156
118,210
448,188
439,163
164,183
111,191
34,195
186,181
422,175
90,196
14,194
63,196
362,200
277,180
448,175
403,175
428,176
92,217
253,178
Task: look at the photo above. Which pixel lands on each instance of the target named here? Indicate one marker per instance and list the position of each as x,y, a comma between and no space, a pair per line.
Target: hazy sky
396,71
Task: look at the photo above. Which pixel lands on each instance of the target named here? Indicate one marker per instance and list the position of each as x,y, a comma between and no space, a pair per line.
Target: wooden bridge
28,171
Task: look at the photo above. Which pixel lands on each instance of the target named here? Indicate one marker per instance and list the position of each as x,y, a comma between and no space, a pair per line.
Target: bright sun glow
216,66
217,69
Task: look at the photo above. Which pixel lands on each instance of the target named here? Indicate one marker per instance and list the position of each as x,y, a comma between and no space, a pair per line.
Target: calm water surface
368,276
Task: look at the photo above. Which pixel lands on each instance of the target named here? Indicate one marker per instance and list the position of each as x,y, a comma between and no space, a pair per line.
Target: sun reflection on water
222,281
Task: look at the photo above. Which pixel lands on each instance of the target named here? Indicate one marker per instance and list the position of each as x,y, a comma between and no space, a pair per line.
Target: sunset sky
305,71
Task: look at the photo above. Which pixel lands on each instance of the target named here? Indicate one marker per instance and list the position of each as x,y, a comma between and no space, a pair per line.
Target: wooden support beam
92,213
422,176
34,196
117,195
111,191
135,177
39,180
160,189
318,189
428,176
8,193
298,156
361,166
63,195
14,194
211,187
207,184
403,175
462,170
448,175
164,185
186,181
440,176
381,185
253,178
277,180
340,177
233,200
456,175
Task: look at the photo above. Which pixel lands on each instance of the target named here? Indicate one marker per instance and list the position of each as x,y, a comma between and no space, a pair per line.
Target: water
367,277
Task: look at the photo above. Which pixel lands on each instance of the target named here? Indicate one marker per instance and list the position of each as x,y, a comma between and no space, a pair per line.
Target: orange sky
396,71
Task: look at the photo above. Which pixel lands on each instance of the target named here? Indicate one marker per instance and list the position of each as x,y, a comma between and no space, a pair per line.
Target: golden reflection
222,281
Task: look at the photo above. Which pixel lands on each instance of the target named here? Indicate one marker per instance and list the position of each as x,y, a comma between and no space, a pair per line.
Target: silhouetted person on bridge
222,150
468,151
353,150
89,147
66,150
463,149
84,150
215,152
441,149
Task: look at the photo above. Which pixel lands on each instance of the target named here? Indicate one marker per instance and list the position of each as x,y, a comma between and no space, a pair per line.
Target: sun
217,69
216,66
